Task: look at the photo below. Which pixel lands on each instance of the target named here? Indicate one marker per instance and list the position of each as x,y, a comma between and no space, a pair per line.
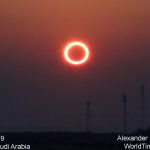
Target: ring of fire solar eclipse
70,46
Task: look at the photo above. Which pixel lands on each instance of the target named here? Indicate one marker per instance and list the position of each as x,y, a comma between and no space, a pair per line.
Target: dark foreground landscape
66,141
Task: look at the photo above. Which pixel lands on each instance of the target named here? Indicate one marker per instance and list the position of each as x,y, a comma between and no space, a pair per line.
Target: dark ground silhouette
68,140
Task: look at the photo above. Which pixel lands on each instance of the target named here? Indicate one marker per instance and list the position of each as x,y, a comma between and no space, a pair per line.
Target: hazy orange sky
32,35
105,22
70,18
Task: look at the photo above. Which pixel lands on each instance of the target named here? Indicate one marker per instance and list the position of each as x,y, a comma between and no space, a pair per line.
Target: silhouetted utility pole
88,116
124,113
142,107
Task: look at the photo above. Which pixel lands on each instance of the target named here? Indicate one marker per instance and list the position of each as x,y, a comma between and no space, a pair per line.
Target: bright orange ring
68,48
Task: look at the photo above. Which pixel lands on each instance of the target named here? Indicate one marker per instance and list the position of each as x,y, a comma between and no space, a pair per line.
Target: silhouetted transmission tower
88,116
124,113
142,107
